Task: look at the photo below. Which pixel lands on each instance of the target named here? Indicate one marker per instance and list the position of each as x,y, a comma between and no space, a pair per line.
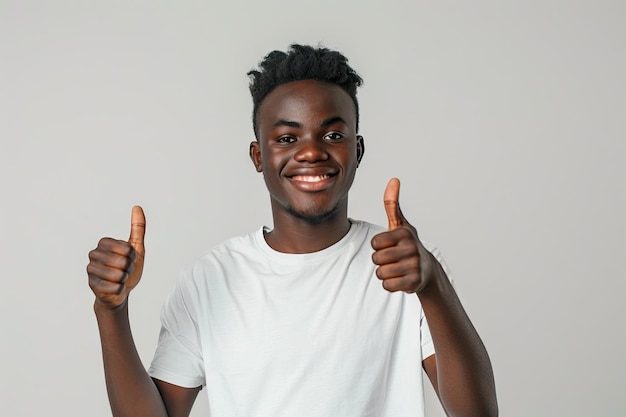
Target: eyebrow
331,121
288,123
324,123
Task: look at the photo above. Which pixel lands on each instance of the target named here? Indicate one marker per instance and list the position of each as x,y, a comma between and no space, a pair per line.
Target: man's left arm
460,370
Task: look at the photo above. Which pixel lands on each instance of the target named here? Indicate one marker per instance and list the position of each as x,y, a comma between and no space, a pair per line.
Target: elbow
488,409
474,407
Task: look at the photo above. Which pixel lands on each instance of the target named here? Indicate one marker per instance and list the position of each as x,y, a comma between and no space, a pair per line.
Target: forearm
131,390
465,381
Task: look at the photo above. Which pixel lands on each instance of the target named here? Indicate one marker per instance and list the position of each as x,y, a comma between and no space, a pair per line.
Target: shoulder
368,229
222,256
231,247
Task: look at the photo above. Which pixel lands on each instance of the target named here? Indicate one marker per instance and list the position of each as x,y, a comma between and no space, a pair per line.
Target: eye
286,139
333,136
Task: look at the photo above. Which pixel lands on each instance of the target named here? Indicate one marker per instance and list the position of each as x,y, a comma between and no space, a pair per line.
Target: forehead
306,101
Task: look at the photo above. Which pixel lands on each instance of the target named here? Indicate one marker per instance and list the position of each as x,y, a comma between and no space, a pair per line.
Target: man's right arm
114,269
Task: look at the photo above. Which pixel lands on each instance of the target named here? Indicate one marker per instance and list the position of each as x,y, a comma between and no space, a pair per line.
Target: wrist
102,308
438,287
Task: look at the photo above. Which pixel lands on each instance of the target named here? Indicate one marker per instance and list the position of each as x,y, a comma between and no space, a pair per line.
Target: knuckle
123,263
93,270
97,285
380,273
389,286
123,248
118,275
105,241
376,258
92,284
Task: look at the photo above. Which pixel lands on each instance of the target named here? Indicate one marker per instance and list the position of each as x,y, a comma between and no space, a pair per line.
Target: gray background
503,119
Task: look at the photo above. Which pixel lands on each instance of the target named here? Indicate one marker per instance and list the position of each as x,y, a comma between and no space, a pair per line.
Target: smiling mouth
310,178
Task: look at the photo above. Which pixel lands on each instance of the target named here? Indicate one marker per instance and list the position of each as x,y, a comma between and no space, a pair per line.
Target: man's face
307,148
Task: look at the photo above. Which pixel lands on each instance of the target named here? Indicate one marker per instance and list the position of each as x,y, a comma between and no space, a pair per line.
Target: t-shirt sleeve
428,348
178,358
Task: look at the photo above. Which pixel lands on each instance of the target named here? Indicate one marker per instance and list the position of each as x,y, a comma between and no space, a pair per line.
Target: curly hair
302,62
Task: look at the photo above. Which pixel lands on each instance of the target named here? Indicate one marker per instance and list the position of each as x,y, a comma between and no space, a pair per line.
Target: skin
114,269
308,151
460,371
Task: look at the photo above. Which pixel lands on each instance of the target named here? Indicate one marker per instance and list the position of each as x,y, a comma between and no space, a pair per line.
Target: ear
255,155
360,149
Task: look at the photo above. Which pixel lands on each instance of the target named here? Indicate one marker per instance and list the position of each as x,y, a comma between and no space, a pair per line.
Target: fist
115,266
403,262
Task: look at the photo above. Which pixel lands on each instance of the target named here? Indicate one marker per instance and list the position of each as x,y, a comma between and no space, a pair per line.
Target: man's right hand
115,266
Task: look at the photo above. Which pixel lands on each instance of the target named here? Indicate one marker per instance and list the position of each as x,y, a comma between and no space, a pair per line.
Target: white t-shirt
271,334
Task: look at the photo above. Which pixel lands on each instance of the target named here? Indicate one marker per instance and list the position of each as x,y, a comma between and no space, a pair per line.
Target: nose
311,150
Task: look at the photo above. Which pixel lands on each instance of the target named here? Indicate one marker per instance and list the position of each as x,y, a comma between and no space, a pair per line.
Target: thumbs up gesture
403,262
115,266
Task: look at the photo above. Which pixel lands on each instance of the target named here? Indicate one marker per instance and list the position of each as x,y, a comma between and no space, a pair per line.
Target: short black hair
302,62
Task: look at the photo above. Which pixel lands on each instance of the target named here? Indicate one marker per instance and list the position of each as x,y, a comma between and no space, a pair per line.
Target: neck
292,234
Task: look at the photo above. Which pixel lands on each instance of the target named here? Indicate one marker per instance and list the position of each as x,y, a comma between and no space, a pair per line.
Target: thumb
137,230
392,206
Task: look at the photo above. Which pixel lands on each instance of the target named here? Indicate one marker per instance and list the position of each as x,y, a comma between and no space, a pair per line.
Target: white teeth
310,178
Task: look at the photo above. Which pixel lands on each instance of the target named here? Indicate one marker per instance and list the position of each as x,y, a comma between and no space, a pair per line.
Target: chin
313,216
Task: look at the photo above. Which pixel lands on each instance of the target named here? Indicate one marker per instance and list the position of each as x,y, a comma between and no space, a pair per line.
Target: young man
322,315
